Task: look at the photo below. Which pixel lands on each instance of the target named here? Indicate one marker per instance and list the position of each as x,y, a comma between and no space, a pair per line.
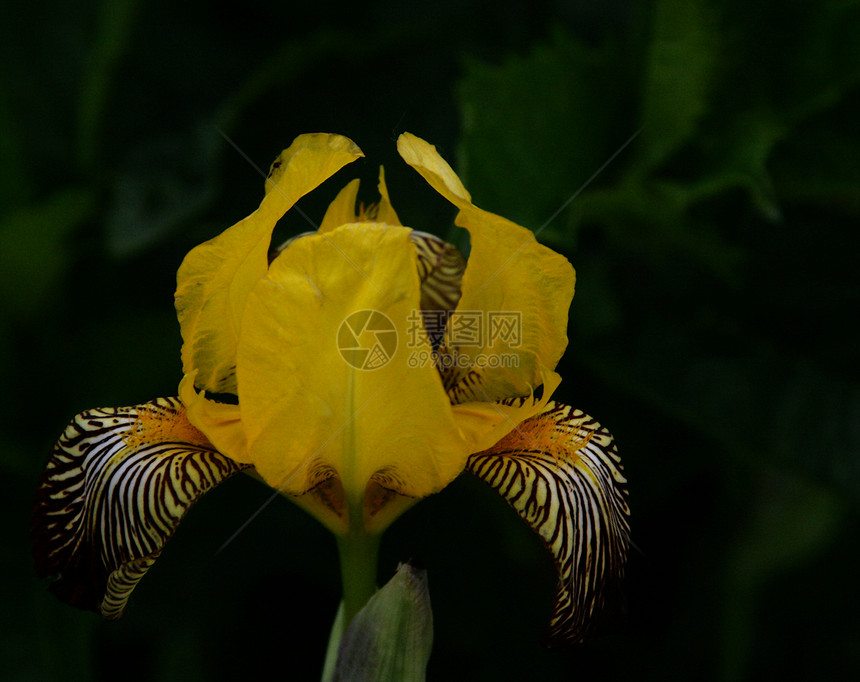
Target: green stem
358,555
358,552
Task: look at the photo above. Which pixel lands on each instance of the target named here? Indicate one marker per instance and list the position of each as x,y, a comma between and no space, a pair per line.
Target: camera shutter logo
367,339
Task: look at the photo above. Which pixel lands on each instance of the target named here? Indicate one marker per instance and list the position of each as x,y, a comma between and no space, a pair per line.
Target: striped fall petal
116,485
561,473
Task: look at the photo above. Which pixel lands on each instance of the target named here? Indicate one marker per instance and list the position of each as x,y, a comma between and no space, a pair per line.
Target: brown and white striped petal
440,269
561,472
116,485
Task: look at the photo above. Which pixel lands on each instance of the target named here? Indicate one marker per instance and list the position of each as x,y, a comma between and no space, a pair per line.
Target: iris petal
312,392
440,267
342,210
509,274
385,211
561,473
117,484
485,423
215,278
223,421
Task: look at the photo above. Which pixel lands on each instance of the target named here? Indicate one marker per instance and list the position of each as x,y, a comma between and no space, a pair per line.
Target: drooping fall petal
324,372
117,484
561,473
527,286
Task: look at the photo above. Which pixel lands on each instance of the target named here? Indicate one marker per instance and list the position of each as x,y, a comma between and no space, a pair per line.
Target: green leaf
160,187
35,249
679,74
758,403
794,521
537,127
15,183
115,22
819,165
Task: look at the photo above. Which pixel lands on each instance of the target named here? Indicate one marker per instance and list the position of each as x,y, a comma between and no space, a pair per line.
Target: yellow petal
312,396
385,212
483,424
424,158
222,421
215,278
516,289
342,210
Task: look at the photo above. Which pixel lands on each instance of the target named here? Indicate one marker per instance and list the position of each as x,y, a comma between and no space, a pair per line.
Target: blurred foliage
697,162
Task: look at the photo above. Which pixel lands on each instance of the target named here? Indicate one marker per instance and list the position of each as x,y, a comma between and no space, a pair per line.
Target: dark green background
713,329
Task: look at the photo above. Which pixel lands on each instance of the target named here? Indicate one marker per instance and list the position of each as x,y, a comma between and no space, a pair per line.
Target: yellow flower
356,369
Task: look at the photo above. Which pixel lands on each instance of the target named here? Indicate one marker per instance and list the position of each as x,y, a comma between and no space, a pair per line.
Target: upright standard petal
342,210
216,277
345,209
517,289
384,212
116,486
324,369
561,473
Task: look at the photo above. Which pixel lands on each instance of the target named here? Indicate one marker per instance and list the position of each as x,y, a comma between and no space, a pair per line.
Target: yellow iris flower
357,369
